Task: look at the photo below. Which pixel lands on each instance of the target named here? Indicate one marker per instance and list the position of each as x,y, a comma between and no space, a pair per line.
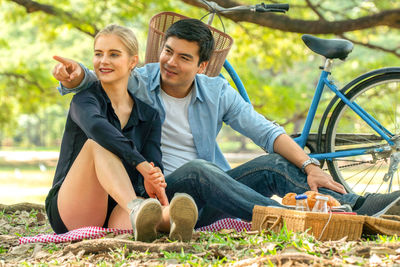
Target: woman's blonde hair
126,35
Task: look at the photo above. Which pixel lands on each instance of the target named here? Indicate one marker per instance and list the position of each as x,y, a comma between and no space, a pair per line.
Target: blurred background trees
278,71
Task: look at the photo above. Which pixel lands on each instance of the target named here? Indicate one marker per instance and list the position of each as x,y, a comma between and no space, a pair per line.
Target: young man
192,108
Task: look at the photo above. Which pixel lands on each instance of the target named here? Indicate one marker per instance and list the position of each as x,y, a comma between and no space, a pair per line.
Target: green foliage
277,69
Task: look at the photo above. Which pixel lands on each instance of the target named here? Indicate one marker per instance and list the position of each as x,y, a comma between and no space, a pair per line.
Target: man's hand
154,181
316,178
68,72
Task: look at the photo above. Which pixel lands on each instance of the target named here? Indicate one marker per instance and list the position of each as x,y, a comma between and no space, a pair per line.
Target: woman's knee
91,145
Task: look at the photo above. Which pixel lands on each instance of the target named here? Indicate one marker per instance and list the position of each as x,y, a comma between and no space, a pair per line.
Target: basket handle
272,220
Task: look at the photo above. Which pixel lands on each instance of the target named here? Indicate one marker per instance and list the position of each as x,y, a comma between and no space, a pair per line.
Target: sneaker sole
183,214
392,209
148,216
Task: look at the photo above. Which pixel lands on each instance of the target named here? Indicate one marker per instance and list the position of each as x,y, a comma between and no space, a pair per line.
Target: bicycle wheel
380,97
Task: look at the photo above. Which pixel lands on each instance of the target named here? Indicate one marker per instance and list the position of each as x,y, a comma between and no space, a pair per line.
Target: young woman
110,158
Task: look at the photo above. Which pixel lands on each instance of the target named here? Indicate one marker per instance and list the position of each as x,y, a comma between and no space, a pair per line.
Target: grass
225,247
210,249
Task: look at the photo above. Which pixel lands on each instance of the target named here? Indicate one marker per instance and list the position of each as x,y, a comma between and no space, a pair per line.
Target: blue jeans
219,194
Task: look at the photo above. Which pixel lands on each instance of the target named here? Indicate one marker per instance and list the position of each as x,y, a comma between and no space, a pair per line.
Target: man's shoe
183,214
145,215
380,204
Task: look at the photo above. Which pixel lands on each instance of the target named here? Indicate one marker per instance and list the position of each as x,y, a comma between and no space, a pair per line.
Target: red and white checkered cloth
93,232
226,223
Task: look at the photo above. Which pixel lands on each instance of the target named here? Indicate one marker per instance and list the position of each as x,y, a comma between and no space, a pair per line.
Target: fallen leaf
252,232
375,260
290,249
226,231
268,247
362,252
382,251
41,218
353,260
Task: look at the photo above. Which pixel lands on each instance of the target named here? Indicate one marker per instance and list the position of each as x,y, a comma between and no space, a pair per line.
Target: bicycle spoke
395,115
369,182
368,168
362,177
398,180
346,131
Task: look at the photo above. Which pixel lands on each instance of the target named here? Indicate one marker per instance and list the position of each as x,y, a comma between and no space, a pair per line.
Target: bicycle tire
380,97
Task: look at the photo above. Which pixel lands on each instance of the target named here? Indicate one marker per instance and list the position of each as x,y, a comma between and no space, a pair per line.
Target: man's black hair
193,30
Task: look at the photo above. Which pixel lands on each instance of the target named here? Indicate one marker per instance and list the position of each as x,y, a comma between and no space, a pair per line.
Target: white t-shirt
177,144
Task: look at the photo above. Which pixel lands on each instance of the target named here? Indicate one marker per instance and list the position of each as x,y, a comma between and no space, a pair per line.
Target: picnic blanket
94,232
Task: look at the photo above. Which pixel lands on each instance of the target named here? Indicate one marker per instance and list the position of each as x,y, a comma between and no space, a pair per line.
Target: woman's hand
68,72
154,181
156,176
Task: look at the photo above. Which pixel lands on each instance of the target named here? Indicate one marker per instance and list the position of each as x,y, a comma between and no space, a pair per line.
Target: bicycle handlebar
272,8
215,8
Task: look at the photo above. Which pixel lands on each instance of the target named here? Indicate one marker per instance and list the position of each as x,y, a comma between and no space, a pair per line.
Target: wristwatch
308,162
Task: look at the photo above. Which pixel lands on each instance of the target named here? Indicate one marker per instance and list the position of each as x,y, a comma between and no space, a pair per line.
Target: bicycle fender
346,88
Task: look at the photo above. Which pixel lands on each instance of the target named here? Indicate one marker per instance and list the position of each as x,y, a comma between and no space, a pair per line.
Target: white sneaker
145,216
183,214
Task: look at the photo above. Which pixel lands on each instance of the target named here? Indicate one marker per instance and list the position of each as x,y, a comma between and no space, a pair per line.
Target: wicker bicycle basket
323,226
161,22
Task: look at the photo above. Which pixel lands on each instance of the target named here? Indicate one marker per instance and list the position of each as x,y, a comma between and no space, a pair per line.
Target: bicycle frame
301,140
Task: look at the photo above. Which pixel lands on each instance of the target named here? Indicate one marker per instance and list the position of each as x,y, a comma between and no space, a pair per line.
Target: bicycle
351,137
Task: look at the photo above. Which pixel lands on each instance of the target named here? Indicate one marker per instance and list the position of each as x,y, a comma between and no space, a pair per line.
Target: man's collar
196,92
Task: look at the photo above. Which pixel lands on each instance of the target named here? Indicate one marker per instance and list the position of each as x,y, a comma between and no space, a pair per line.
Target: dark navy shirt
91,116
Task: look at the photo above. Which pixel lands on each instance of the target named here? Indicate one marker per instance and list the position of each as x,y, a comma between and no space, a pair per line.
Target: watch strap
308,162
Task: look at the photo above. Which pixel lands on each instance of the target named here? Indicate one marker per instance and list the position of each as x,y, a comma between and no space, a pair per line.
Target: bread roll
289,199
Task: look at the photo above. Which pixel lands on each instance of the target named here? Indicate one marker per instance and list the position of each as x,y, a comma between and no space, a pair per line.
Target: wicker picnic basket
161,22
385,225
324,226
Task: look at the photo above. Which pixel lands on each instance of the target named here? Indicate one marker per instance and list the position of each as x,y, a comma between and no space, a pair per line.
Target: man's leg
209,185
272,174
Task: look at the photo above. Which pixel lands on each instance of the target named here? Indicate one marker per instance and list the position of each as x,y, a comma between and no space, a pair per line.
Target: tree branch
22,77
376,47
32,6
313,8
390,18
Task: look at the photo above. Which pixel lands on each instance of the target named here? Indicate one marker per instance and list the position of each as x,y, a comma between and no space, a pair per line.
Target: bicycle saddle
333,48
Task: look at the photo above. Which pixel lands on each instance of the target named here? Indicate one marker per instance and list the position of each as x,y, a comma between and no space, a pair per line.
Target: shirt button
133,162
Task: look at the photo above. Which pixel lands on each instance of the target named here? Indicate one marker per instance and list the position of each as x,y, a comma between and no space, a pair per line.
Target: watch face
315,161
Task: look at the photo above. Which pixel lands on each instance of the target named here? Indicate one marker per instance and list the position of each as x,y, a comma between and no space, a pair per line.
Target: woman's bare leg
165,224
83,196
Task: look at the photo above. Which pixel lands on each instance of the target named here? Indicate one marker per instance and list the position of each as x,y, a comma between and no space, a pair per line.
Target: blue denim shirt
213,102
